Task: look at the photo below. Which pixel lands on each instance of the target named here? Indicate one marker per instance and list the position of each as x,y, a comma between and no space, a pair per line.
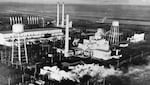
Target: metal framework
19,51
114,35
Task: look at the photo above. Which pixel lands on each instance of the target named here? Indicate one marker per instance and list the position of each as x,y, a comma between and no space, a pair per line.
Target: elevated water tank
115,23
18,28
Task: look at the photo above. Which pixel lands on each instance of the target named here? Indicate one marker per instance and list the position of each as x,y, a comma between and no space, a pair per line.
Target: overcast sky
132,2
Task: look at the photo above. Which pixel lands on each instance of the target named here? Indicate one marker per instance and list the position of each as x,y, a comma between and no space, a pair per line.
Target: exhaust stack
67,36
10,19
63,13
57,24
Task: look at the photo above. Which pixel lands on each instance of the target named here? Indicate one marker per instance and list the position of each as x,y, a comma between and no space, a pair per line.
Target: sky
127,2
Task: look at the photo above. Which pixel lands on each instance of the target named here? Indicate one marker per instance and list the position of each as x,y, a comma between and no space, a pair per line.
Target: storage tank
18,28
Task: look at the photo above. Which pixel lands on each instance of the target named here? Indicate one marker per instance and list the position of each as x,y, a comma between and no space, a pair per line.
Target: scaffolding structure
114,33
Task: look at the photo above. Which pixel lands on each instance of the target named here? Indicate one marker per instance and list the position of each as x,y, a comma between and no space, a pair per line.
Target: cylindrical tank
100,31
18,28
99,34
115,23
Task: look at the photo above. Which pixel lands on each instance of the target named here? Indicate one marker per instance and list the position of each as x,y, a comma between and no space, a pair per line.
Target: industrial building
49,56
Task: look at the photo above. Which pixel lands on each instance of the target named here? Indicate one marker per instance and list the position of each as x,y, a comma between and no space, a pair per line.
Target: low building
137,38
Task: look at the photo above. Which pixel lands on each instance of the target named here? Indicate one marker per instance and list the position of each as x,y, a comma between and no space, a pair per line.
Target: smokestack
43,22
67,36
37,20
32,20
28,19
10,18
21,18
57,14
18,19
63,14
15,20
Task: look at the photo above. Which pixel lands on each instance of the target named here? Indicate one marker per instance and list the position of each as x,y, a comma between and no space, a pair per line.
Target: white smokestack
67,36
13,20
57,14
21,18
10,18
37,20
18,19
63,14
28,19
43,22
32,20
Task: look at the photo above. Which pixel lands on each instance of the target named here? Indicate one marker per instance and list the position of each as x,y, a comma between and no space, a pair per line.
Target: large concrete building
6,36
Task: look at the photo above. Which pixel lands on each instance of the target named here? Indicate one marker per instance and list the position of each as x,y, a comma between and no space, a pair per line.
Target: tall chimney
21,20
13,20
43,22
37,20
16,20
57,14
30,20
63,14
67,36
33,20
10,18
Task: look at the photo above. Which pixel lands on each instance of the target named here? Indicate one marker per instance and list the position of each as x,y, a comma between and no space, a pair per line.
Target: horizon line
77,3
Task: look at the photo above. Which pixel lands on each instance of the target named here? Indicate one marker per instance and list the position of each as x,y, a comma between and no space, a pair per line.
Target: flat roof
32,30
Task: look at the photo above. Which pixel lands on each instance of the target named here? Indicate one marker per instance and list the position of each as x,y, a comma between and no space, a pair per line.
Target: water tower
19,50
114,33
